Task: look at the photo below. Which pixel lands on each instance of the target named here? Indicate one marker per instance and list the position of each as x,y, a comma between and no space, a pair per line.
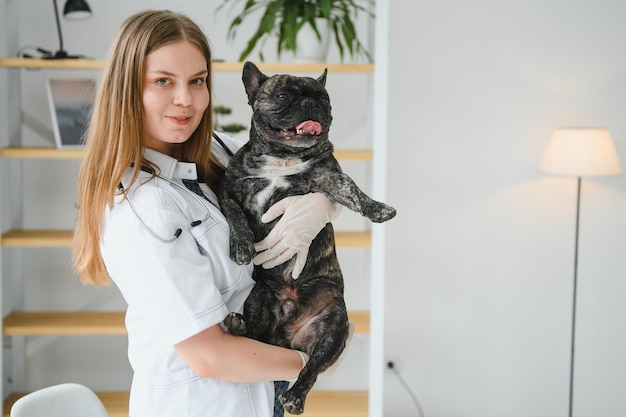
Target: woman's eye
162,81
198,81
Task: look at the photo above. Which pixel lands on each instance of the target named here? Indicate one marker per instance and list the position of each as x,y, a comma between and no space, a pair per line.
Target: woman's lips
180,120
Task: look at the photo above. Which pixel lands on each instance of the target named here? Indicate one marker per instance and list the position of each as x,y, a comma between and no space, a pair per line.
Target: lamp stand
573,342
61,53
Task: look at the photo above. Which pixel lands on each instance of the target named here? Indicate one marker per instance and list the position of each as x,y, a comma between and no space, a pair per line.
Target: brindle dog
289,154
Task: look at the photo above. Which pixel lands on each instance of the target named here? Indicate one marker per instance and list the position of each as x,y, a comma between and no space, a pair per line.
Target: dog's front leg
241,236
342,189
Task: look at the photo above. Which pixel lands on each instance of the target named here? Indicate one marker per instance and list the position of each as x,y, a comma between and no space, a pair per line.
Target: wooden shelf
278,67
218,66
336,404
54,153
63,238
41,153
97,323
319,403
64,323
357,239
38,63
37,238
361,320
353,154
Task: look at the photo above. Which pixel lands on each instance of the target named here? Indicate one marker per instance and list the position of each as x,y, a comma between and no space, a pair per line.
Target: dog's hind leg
236,324
330,331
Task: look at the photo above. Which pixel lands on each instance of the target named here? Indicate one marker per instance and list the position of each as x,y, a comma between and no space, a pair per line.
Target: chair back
63,400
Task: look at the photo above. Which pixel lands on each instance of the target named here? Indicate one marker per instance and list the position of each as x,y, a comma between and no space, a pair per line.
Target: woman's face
175,96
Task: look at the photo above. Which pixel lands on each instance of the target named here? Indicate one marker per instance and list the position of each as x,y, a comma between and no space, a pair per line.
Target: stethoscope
199,200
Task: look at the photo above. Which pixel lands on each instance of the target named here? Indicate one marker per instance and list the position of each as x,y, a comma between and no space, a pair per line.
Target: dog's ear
252,80
322,78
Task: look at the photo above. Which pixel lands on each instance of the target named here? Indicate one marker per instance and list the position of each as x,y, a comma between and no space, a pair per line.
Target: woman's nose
182,96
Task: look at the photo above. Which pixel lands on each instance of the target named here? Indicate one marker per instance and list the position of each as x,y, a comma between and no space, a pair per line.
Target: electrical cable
391,366
30,51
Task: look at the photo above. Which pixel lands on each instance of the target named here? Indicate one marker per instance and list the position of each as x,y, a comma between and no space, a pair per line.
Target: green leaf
349,34
268,20
325,8
222,110
338,39
250,47
233,128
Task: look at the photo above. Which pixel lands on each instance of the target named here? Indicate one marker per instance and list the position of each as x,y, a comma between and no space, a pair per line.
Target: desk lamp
73,10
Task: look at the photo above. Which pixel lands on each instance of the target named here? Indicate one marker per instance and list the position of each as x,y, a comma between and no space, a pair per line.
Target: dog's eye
323,98
282,96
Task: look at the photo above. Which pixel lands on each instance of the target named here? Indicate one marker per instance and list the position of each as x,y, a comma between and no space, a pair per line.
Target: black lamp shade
76,9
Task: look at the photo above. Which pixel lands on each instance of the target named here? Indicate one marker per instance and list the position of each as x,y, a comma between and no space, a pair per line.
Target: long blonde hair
115,132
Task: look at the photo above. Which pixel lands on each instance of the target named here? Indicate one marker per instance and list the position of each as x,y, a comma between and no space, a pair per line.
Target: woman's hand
303,218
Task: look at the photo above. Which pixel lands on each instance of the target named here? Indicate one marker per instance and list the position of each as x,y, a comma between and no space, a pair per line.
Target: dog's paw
235,324
241,251
292,403
379,212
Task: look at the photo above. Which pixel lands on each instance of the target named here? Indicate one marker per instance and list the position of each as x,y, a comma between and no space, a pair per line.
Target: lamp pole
575,290
60,54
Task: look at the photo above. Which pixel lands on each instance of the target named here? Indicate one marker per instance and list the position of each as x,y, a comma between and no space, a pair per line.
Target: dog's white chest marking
275,170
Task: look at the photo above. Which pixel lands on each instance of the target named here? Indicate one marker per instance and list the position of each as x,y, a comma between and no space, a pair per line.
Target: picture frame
71,101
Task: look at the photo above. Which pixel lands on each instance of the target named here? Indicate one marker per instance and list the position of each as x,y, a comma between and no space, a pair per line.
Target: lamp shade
76,9
581,152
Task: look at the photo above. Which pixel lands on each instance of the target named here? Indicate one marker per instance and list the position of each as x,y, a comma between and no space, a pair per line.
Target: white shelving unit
15,240
379,192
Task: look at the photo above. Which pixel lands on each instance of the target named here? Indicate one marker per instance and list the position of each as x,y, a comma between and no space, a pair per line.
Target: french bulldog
289,153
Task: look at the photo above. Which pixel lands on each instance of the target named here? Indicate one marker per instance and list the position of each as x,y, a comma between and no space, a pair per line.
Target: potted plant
232,128
284,19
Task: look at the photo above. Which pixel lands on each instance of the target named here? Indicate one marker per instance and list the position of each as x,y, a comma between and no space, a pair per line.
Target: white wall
480,257
480,290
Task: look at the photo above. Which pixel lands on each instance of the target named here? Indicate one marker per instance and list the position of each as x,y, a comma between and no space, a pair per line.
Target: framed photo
71,101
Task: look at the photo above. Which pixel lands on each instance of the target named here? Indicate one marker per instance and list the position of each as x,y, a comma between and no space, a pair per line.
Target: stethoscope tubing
178,231
196,197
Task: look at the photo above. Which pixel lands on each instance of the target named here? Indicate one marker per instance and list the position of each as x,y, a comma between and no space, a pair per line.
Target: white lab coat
175,290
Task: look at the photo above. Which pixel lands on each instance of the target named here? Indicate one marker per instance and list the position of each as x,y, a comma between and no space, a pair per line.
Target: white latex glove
303,218
305,360
304,357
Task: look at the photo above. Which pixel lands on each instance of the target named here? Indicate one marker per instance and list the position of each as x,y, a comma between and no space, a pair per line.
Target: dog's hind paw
235,324
379,212
291,403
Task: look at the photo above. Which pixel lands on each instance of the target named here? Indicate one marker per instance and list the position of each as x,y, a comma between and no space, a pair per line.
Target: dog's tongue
309,127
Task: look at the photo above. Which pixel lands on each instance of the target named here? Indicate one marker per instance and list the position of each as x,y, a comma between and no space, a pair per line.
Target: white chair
64,400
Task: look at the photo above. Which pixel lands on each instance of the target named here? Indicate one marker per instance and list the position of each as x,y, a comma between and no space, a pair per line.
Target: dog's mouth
306,128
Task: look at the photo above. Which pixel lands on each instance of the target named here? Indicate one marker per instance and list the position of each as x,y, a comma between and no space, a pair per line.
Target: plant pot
309,48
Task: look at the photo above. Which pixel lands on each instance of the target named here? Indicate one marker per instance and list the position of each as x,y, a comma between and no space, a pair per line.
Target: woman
164,246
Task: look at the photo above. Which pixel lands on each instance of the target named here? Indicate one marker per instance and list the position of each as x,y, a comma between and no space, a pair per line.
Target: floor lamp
579,152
